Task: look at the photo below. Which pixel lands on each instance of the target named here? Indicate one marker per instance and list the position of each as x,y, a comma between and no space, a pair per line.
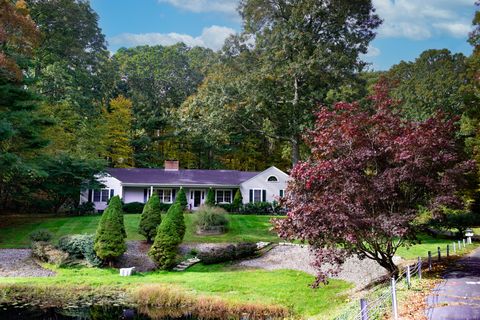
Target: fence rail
375,307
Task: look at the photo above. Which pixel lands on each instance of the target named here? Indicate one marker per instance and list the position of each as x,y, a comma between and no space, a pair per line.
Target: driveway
457,297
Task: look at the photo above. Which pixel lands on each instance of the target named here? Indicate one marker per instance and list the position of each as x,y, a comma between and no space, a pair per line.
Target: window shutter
174,192
90,195
112,193
145,193
264,195
251,196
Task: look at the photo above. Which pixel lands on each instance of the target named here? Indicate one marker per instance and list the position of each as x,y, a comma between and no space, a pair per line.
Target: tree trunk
390,266
295,150
295,138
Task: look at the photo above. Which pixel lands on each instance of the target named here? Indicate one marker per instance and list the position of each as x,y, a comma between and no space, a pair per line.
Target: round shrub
164,249
80,246
151,218
110,236
211,219
228,253
133,207
41,235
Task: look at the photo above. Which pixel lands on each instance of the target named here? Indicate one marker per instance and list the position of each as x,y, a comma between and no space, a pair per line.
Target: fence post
459,246
408,277
429,260
439,255
394,299
454,248
448,250
364,309
419,266
464,243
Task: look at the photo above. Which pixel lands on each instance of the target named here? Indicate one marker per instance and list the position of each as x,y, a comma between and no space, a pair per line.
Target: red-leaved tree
369,171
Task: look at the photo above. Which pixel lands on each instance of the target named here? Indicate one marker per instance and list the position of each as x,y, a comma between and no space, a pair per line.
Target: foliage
110,235
210,200
41,235
360,190
211,219
458,219
228,253
164,249
134,207
266,208
119,136
178,220
86,208
182,198
237,200
46,252
80,246
151,218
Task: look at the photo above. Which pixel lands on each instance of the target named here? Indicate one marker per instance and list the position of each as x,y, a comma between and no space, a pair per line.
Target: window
272,179
165,195
257,195
102,195
224,196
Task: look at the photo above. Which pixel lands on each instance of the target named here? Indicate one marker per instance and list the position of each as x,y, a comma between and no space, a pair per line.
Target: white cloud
212,37
224,6
372,52
419,20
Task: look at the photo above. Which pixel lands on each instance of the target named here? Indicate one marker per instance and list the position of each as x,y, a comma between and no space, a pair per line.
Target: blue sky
410,26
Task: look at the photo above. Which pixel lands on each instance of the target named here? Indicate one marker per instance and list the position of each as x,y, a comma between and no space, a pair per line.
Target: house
137,185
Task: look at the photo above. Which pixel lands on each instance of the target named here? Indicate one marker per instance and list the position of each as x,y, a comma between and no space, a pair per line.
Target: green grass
14,230
283,287
428,243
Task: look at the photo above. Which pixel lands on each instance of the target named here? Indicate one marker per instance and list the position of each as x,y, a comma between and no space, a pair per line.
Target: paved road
457,297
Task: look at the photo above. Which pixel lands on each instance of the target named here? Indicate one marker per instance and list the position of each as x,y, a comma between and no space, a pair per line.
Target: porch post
151,191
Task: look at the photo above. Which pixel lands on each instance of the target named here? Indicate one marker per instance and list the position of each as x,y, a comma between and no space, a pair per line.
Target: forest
70,108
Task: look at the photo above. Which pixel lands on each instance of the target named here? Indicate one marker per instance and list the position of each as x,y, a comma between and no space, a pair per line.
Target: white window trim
223,190
162,198
261,195
101,195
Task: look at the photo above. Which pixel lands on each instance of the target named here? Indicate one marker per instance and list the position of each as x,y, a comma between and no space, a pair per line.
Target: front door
197,198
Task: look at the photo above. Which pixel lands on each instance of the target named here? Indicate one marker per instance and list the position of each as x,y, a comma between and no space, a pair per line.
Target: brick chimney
171,165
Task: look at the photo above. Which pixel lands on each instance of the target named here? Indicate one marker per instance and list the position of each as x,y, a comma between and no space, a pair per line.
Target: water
27,312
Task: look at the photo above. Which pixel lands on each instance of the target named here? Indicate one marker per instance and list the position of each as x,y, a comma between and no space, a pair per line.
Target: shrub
228,253
80,246
257,208
164,249
46,252
41,235
178,220
133,207
182,199
227,207
86,208
211,219
237,201
165,206
110,236
151,218
210,201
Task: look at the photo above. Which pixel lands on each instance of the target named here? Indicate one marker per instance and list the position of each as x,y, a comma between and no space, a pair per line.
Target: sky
409,26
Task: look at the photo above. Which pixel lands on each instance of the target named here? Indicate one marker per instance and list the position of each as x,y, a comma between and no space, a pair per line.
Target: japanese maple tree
369,171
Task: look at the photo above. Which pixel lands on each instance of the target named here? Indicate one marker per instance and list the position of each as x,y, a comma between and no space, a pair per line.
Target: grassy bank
14,230
285,288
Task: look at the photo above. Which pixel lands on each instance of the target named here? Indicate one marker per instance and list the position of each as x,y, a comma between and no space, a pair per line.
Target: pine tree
110,235
151,218
210,198
164,248
182,198
237,200
176,215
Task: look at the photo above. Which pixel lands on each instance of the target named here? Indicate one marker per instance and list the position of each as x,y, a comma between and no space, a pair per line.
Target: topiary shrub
133,207
80,246
210,200
182,199
110,236
228,253
211,220
151,218
178,220
41,235
46,252
237,201
163,252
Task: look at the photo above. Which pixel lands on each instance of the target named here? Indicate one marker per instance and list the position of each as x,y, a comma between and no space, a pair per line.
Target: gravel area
19,263
360,272
136,256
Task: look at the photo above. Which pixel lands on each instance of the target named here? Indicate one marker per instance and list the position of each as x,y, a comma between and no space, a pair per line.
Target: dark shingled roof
181,177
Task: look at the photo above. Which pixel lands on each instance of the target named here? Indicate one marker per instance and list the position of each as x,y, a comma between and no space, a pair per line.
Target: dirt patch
19,263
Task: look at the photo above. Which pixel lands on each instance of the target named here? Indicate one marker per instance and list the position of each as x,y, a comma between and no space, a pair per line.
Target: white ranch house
137,185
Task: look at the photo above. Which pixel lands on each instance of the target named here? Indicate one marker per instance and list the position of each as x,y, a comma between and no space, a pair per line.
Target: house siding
272,189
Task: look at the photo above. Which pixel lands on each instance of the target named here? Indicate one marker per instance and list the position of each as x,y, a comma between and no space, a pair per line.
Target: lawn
283,287
428,243
14,230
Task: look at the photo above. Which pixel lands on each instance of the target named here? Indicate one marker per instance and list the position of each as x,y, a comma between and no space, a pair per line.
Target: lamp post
469,235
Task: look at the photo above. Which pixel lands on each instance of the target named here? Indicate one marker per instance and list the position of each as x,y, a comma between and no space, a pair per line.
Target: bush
262,208
80,246
165,206
110,235
237,201
228,253
229,207
133,207
210,201
182,199
151,218
164,249
41,235
46,252
86,208
211,219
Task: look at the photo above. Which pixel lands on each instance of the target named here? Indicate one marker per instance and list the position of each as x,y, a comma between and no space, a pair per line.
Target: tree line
69,108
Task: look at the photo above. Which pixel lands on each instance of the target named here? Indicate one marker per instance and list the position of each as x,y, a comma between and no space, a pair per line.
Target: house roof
180,177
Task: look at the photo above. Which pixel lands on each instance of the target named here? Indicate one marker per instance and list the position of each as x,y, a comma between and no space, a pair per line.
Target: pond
29,312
